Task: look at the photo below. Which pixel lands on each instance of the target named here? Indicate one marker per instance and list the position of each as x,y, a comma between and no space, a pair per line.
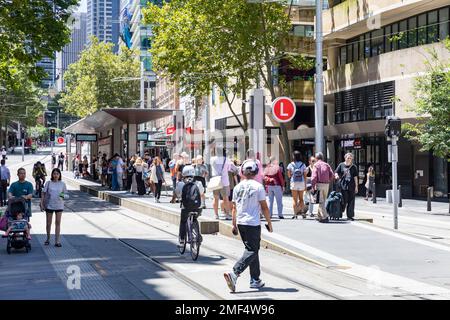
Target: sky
83,6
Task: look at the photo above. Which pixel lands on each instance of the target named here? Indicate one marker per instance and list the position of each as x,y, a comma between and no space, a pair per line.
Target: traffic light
52,135
393,126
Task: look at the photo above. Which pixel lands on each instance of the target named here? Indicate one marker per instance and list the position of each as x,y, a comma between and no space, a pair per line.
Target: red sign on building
60,140
170,130
283,109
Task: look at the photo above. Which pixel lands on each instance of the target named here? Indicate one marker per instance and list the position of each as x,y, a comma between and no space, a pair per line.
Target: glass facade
422,29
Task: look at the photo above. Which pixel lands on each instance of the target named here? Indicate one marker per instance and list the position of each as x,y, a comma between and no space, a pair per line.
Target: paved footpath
397,259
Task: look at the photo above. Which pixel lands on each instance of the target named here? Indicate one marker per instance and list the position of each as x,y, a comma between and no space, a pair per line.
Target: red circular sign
60,140
283,109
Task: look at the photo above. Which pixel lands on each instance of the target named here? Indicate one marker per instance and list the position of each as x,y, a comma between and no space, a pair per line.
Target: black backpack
190,196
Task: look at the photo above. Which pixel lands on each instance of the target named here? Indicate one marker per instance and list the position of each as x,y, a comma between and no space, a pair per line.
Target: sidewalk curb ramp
160,212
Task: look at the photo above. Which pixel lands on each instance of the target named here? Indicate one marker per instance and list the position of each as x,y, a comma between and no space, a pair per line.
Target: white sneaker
256,284
231,280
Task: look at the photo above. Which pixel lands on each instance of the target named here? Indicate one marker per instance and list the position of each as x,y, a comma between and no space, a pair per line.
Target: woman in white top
52,201
157,177
140,167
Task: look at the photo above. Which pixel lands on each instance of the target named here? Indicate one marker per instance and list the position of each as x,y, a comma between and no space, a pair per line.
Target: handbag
215,183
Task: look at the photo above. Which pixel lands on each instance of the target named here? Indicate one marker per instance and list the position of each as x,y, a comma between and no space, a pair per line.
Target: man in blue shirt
22,188
5,177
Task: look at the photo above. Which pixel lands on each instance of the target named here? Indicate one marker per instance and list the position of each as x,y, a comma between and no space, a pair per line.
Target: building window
422,32
412,33
433,27
387,42
403,41
394,36
367,45
343,56
419,30
377,42
303,31
443,23
349,53
361,47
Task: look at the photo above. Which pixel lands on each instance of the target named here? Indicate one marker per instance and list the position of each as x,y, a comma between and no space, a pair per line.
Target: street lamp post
142,105
319,108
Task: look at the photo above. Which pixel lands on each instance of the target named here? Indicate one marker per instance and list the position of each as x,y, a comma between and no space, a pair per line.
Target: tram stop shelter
108,129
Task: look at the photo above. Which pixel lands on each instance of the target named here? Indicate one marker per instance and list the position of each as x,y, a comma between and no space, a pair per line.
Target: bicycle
193,236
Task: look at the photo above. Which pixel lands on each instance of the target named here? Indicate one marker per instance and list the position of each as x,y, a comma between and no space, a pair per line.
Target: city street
181,125
124,254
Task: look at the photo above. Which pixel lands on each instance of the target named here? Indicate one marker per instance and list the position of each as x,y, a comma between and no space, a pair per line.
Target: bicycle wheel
195,240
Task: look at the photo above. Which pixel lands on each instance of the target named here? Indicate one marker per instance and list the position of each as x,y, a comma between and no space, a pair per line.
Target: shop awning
107,119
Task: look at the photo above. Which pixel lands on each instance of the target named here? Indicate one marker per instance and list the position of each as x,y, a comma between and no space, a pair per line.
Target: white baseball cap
249,167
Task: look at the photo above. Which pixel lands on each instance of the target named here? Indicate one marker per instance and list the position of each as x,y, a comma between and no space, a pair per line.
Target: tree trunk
244,116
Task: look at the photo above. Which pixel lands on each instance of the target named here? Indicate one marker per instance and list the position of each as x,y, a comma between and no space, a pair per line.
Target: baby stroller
17,237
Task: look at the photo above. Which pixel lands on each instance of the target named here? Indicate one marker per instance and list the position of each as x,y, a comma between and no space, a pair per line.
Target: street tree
432,105
20,99
29,31
232,44
101,79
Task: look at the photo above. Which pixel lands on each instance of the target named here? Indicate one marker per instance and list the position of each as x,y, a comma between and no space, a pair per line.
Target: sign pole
394,179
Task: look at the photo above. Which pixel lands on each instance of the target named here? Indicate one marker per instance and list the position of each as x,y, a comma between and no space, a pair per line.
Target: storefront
417,170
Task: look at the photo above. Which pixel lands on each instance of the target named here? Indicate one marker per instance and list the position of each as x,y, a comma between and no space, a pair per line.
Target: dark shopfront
416,170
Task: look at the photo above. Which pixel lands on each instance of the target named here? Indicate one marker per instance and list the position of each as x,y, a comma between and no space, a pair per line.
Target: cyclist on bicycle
190,192
39,174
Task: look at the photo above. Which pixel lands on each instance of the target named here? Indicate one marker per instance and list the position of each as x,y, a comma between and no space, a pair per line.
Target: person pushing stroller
18,228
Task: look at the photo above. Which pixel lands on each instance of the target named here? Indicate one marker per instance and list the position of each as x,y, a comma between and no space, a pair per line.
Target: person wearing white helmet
249,200
190,192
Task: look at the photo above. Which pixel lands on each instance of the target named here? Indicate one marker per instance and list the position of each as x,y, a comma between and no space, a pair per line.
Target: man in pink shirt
322,175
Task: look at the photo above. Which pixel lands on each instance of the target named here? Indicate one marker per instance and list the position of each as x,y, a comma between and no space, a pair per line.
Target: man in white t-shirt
220,166
249,200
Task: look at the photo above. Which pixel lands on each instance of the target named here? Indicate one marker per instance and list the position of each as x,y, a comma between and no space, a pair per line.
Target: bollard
374,193
400,196
429,199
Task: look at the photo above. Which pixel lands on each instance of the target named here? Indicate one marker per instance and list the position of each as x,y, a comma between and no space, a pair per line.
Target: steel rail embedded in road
177,275
190,282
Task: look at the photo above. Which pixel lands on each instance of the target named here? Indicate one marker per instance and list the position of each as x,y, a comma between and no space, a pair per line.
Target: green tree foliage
21,101
203,42
432,105
229,43
101,79
29,31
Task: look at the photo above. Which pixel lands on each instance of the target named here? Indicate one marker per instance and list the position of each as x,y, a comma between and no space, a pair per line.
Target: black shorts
52,211
202,180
